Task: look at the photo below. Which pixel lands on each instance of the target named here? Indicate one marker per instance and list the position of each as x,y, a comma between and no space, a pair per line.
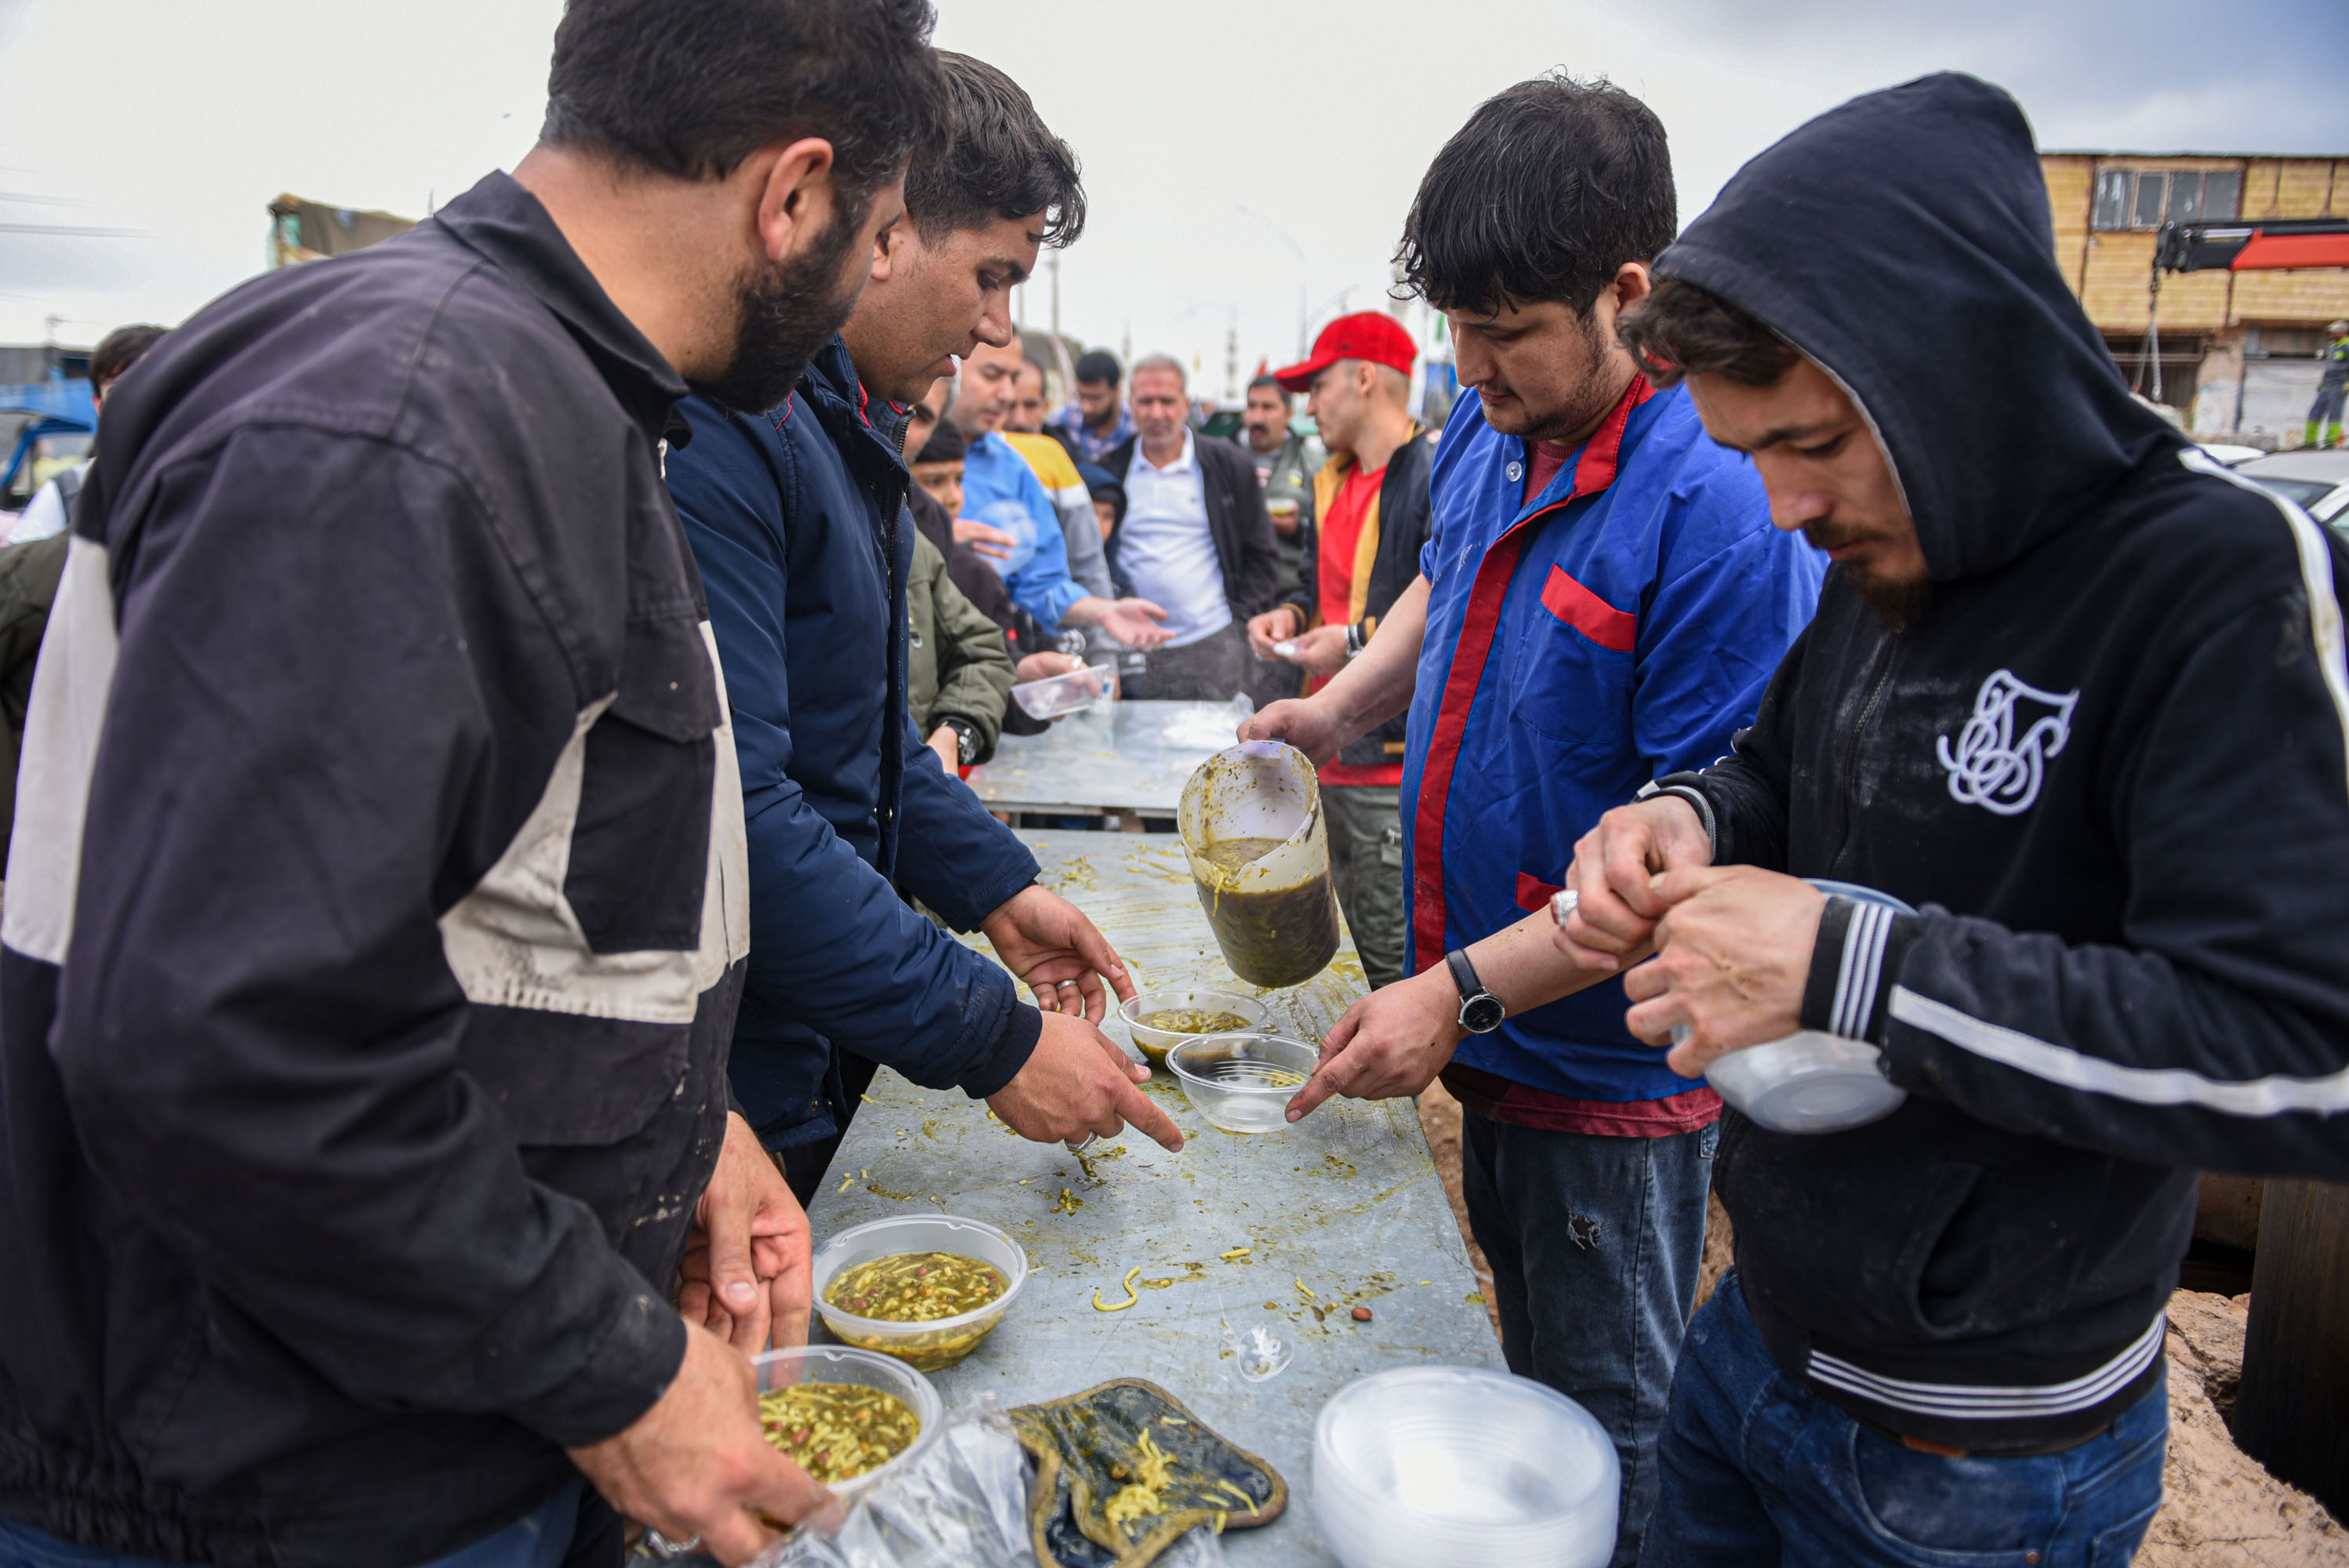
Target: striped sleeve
2214,1033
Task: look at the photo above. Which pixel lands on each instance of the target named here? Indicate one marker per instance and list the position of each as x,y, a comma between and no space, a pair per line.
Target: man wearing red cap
1370,498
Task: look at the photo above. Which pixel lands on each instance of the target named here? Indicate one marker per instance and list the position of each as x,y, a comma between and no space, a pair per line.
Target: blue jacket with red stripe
1619,627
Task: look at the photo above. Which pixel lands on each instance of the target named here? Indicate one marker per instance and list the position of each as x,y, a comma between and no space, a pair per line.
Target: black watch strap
1481,1012
967,736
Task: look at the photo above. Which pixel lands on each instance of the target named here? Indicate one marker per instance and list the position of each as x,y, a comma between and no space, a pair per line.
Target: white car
2317,482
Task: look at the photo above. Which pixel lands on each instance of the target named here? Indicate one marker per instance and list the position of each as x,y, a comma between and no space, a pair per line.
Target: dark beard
1899,605
786,314
1899,602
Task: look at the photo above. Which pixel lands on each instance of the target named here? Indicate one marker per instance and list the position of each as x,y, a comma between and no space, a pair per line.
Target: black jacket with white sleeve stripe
2109,765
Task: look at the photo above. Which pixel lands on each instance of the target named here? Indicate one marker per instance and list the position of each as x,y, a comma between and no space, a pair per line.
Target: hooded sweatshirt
2109,764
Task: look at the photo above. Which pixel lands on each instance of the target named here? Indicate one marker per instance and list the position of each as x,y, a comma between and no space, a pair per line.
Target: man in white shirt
1195,541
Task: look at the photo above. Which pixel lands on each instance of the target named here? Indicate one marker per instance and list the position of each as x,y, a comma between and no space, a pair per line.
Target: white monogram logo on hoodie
1992,768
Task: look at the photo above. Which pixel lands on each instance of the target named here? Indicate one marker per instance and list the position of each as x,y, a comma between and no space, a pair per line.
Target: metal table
1113,758
1342,1210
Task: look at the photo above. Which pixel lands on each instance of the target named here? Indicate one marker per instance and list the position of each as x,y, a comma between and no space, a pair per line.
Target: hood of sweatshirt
1903,242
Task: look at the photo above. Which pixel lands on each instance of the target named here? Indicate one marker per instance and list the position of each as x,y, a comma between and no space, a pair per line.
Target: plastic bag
963,1505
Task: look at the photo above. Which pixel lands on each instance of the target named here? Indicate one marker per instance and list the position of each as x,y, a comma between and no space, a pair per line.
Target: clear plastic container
1243,1083
1072,693
943,1341
1461,1464
1259,857
840,1364
1154,1043
1812,1081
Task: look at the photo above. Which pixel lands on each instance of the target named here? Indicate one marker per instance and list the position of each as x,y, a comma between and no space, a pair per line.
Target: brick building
2236,350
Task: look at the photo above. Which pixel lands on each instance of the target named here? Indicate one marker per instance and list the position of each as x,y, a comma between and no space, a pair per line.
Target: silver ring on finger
1077,1145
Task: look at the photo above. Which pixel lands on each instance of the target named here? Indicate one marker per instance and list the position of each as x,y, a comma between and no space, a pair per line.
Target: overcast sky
1207,129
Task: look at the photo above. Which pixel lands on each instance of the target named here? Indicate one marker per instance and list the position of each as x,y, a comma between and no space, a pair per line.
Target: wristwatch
965,739
1481,1012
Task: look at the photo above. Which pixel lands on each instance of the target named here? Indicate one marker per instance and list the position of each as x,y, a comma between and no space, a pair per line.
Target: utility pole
1056,293
1232,359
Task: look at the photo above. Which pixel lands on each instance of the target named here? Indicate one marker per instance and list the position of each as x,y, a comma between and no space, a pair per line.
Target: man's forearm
1377,683
1521,965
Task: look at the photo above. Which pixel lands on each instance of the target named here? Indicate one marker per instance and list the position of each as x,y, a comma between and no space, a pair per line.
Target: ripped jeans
1594,1244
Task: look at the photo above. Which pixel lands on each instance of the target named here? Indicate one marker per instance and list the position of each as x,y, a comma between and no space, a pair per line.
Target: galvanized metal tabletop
1287,1232
1113,758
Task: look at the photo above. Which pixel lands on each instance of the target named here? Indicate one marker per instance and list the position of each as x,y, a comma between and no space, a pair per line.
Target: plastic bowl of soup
847,1416
1162,1019
917,1286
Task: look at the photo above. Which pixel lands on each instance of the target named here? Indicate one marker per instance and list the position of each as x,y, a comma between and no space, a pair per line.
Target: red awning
2274,253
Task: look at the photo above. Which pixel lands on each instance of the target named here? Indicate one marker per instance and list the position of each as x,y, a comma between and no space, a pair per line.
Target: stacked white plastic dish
1456,1464
1812,1081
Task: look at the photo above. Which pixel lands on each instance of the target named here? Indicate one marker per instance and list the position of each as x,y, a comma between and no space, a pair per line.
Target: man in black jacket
373,939
2078,697
1372,502
1195,541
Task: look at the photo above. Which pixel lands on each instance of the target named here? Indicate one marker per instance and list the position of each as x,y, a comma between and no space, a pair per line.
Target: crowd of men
500,706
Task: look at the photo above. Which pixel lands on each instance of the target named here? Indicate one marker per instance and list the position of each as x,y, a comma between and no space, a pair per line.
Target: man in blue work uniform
1599,604
797,518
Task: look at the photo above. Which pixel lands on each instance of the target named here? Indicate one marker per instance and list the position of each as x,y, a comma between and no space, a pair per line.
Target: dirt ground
2220,1508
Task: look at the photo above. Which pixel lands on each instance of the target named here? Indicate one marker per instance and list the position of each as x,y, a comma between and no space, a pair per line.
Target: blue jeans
1758,1471
543,1539
1594,1244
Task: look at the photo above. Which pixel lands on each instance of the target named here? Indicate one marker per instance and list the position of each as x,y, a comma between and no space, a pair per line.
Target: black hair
1682,330
118,351
946,445
1550,187
995,159
1103,485
689,89
1273,382
1099,367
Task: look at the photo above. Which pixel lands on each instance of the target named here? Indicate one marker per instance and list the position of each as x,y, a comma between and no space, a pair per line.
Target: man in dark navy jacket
798,519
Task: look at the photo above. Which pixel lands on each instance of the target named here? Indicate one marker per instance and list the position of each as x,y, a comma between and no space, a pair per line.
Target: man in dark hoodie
2077,695
798,520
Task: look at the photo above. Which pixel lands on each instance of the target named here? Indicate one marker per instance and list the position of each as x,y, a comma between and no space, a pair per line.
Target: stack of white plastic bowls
1428,1465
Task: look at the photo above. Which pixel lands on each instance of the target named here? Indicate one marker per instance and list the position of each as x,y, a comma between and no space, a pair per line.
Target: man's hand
1733,957
984,538
1078,1082
1048,942
1134,624
697,1463
1044,666
1306,723
1616,865
1393,1042
1321,650
949,745
1277,624
746,1264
